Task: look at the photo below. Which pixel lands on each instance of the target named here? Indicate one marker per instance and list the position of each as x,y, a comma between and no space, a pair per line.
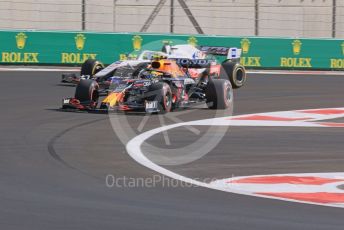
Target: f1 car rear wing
231,53
189,51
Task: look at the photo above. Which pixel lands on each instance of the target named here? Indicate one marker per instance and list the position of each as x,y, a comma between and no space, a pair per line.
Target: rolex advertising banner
73,48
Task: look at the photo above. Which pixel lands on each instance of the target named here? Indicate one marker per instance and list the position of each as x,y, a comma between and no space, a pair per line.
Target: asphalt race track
54,164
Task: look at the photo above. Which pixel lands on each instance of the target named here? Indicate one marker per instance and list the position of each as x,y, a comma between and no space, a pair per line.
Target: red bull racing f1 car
160,85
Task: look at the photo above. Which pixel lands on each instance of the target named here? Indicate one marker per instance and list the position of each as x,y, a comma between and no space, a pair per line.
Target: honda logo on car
195,63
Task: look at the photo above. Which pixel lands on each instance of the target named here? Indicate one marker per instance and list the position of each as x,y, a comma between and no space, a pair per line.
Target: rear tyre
87,91
219,94
91,67
234,72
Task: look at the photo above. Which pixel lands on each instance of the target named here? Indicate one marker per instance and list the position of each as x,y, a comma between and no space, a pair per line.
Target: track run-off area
318,188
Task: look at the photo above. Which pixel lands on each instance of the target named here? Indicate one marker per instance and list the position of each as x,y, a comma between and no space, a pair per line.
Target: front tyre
87,91
90,67
162,93
166,102
219,94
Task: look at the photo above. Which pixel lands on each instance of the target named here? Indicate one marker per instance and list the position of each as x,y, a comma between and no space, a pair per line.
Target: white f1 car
197,60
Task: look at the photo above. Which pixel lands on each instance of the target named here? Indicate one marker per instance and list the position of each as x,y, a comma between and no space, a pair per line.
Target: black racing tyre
87,91
91,67
234,72
219,94
162,93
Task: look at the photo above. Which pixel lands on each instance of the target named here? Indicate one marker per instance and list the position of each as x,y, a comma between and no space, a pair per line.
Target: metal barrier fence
288,18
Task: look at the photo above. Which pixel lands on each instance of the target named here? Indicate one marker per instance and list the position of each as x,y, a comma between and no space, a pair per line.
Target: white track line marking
134,145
